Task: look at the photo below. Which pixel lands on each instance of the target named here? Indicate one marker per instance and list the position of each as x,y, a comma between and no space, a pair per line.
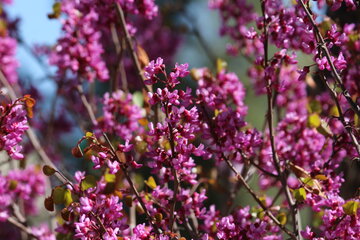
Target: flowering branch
123,168
282,176
31,134
338,79
355,107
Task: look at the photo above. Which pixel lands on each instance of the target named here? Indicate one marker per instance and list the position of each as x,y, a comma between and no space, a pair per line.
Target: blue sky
34,27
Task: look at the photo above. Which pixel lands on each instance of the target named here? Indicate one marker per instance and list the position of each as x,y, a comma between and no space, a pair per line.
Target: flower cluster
121,116
8,45
80,49
13,126
21,185
166,161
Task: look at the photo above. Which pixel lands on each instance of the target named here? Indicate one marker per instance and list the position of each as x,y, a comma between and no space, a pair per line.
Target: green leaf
300,194
58,194
88,182
314,120
350,207
138,99
150,182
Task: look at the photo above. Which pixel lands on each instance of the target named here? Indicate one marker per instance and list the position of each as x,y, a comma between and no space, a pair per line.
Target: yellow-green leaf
138,99
68,197
88,182
89,134
314,120
321,177
334,111
324,129
220,65
300,194
13,184
282,218
350,207
314,107
56,11
150,182
109,178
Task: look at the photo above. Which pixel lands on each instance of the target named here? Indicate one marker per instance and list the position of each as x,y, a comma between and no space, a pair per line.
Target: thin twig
243,182
132,185
129,42
173,170
22,227
256,198
126,174
282,177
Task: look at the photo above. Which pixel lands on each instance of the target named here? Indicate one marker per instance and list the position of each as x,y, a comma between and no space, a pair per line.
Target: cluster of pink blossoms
20,185
8,63
172,166
80,49
13,126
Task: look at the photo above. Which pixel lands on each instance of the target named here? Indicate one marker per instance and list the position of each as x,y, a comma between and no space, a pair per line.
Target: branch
283,178
354,106
30,132
132,185
243,182
22,227
338,80
123,168
131,46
